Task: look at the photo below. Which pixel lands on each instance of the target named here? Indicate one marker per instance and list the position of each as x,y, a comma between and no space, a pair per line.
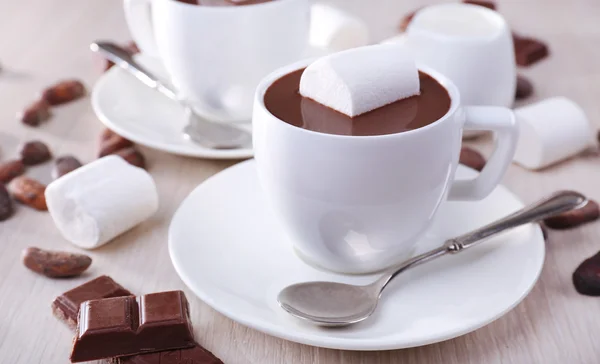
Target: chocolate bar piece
195,355
528,50
486,4
66,306
123,326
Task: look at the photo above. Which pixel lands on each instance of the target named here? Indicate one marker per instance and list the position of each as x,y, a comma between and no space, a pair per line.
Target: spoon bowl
328,303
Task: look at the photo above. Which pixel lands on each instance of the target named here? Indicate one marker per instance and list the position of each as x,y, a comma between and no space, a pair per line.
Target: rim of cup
492,15
277,74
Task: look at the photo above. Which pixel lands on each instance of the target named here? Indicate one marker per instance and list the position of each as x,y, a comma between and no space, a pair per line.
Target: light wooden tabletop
46,40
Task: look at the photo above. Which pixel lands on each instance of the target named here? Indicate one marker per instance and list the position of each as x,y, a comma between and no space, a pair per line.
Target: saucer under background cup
145,116
228,248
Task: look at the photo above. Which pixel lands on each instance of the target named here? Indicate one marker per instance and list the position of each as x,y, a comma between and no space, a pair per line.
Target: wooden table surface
46,40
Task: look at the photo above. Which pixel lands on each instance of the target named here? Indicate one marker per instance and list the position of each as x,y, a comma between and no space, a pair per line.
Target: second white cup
216,56
469,44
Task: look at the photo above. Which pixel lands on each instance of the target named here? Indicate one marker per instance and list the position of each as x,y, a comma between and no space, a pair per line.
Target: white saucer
135,111
227,248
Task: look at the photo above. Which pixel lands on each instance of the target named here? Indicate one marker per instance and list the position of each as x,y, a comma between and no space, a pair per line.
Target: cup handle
502,122
138,14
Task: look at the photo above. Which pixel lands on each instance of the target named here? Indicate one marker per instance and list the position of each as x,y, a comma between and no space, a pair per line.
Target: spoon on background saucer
339,304
204,132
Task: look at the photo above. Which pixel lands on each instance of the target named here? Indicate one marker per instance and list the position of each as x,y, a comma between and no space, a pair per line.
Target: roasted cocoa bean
524,88
29,192
64,165
131,47
55,264
10,170
34,152
586,277
471,158
486,4
63,92
35,114
574,218
132,156
106,134
6,204
406,20
113,144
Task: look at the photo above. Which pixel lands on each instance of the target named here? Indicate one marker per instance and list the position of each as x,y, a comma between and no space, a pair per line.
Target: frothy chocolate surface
284,101
224,2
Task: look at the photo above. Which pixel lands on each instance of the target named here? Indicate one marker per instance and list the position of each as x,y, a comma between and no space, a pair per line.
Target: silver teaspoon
339,304
204,132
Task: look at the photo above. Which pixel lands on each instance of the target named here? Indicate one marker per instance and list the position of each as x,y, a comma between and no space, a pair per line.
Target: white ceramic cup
469,44
216,56
358,204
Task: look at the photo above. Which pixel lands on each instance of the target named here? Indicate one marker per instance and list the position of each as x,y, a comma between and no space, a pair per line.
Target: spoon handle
552,205
124,60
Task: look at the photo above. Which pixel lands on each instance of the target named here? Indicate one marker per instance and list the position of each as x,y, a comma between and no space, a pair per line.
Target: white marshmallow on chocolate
101,200
551,130
360,80
334,30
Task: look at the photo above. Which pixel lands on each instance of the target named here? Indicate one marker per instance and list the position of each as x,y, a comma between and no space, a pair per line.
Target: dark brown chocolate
283,100
125,326
195,355
529,50
66,306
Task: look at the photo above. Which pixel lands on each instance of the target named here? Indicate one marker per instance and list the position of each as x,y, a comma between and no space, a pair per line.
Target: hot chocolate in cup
356,198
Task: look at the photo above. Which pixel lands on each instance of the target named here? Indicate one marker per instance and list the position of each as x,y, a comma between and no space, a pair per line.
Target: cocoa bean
132,156
524,88
106,134
486,4
55,264
35,114
10,170
64,165
406,20
63,92
586,277
29,192
574,218
34,152
113,144
471,158
6,204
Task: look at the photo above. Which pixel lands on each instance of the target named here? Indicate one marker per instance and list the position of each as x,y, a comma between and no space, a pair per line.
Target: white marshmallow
334,30
551,130
101,200
359,80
